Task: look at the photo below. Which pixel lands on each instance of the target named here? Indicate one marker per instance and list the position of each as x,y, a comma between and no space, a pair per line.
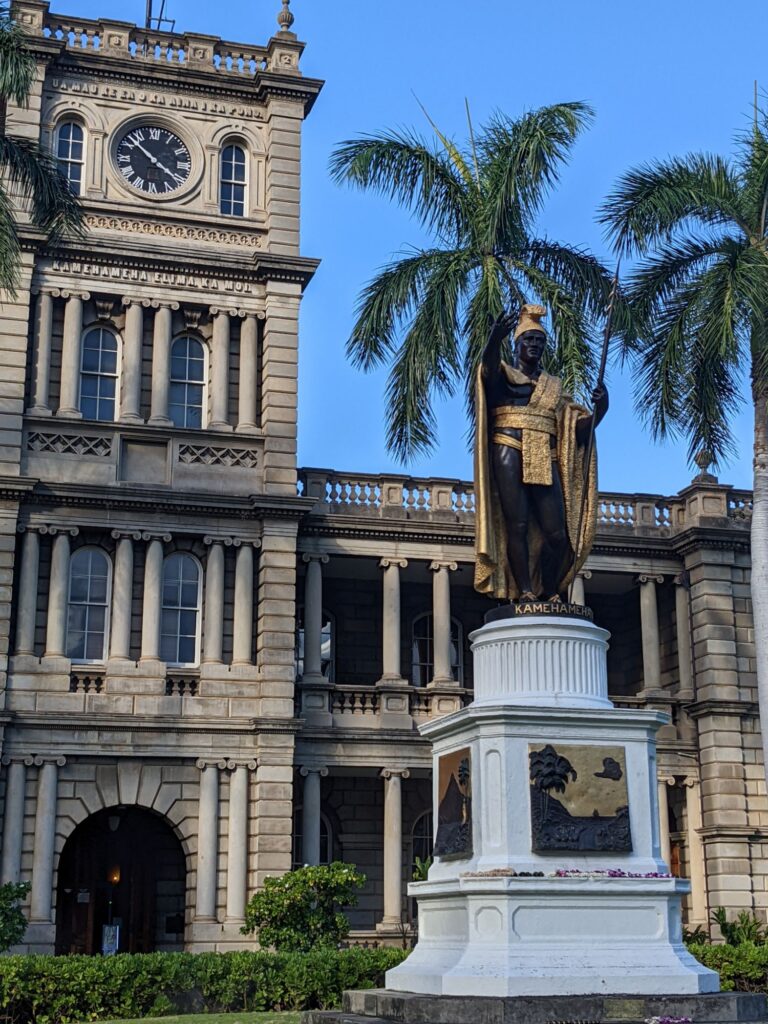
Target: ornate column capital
158,304
586,574
72,531
37,761
662,778
683,579
250,764
385,563
308,769
211,762
226,311
389,773
66,293
650,578
691,781
309,557
437,565
126,534
14,759
148,536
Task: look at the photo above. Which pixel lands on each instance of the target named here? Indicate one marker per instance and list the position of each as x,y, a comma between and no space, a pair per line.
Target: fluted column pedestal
393,849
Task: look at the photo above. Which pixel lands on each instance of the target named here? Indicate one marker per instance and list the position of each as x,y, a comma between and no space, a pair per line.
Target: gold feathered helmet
530,320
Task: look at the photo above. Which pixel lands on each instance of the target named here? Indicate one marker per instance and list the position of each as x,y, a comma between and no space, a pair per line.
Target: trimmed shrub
742,968
13,924
68,989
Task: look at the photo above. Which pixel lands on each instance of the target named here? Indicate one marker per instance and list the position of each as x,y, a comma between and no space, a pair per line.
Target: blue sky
664,78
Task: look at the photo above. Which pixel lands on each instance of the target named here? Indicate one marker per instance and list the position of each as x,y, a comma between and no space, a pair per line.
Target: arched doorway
122,866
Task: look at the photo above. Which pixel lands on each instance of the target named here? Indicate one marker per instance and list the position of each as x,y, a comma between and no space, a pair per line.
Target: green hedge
742,968
65,989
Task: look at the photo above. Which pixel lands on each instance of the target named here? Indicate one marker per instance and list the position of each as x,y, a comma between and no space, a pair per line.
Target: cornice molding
714,706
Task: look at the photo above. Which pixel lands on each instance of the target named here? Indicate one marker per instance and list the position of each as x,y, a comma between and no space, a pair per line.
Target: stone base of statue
548,877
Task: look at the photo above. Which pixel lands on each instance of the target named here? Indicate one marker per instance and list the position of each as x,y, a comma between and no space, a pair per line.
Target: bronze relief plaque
579,798
454,805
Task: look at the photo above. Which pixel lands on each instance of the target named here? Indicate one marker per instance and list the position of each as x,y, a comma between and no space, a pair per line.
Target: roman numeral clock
152,159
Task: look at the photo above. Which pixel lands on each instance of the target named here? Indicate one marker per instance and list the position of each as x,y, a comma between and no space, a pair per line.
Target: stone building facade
214,664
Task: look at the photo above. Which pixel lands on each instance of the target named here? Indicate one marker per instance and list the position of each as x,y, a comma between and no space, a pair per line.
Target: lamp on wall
114,875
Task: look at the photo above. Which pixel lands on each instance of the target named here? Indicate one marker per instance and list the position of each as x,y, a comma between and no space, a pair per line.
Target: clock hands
161,166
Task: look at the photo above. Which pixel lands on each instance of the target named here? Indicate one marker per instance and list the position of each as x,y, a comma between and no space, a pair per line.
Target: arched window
327,646
232,181
69,154
88,605
187,384
98,374
180,621
296,847
423,653
422,838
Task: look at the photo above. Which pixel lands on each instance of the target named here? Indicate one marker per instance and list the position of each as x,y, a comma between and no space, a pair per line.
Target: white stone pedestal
486,931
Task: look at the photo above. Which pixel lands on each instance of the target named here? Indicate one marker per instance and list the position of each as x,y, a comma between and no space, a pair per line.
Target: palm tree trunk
759,539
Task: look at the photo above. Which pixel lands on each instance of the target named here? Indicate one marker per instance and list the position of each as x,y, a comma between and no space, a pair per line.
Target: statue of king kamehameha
536,500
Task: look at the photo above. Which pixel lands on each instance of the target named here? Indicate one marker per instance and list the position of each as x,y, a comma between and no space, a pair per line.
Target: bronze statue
533,535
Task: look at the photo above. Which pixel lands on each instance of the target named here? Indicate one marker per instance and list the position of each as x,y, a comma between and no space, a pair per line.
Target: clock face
153,160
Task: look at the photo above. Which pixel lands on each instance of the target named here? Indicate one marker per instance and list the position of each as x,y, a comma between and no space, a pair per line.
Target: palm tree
29,178
427,314
700,224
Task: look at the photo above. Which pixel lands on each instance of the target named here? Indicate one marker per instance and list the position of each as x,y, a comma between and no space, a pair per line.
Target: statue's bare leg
513,496
548,505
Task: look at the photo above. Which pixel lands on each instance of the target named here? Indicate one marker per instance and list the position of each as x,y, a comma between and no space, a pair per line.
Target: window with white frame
88,605
422,839
186,395
327,642
232,181
180,617
423,650
98,374
70,147
297,852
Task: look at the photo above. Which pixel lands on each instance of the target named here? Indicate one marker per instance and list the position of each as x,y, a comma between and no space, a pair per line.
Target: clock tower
148,476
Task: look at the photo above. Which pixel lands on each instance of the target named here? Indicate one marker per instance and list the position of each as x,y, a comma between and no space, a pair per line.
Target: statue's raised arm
530,473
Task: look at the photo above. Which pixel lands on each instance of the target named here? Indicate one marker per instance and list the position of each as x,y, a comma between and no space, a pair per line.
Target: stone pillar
683,630
310,814
161,364
41,901
249,364
208,840
122,596
58,593
13,819
649,626
43,337
242,639
664,841
130,370
391,619
214,601
69,393
393,848
313,617
237,856
276,619
441,623
28,585
152,602
577,587
696,869
220,371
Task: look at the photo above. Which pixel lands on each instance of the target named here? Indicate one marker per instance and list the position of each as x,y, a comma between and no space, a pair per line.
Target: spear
599,384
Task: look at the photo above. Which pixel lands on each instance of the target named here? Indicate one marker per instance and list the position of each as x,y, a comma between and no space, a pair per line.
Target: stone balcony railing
375,707
404,497
150,46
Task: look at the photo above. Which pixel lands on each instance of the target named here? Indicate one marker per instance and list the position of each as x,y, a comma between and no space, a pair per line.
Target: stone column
577,587
683,631
41,902
313,617
242,638
58,593
249,362
70,356
220,371
214,601
391,619
208,840
122,596
152,602
441,623
310,814
13,819
237,856
649,626
43,338
664,841
28,586
130,371
697,871
393,848
161,364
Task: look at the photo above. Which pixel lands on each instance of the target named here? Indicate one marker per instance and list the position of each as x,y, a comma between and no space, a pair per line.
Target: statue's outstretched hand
502,327
600,401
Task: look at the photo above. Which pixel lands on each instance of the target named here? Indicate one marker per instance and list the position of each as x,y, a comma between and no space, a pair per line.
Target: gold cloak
493,575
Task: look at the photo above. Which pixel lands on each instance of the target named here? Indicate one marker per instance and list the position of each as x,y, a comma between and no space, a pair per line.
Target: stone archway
125,866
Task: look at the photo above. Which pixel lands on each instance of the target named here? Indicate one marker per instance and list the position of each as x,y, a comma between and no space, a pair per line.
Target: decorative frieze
160,229
83,445
208,455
